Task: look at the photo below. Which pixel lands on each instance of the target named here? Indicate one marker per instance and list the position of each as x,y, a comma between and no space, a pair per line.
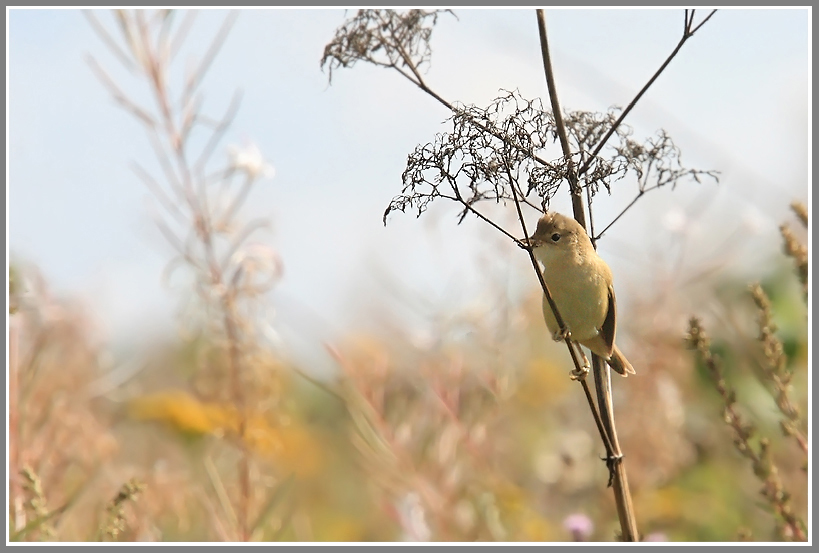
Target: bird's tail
619,363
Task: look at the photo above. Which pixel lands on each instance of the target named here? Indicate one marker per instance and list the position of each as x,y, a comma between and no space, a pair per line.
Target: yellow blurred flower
289,446
179,410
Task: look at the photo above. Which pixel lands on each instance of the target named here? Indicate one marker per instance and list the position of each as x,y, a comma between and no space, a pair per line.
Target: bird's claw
580,373
561,334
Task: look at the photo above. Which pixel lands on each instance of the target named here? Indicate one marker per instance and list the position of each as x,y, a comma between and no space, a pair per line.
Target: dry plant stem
774,368
418,81
617,471
623,212
761,463
239,397
688,32
617,468
204,229
182,179
577,198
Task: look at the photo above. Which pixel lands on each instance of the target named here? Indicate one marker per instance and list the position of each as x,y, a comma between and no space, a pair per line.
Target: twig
218,133
160,194
577,198
118,95
216,44
237,202
109,41
458,198
181,34
418,81
623,212
688,32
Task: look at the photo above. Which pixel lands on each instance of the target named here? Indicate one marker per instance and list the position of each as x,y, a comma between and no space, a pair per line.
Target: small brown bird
580,283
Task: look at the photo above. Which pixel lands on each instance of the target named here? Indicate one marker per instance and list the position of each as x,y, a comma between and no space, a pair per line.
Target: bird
581,285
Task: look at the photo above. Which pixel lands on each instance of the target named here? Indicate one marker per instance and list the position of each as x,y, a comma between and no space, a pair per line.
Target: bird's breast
581,295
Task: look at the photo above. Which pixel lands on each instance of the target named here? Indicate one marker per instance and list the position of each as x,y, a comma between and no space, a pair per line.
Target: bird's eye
555,237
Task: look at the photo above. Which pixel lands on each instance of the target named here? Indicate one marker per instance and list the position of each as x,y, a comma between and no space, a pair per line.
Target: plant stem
577,198
602,375
688,32
622,492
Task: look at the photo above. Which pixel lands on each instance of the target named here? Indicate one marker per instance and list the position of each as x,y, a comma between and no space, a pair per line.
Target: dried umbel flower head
388,38
501,152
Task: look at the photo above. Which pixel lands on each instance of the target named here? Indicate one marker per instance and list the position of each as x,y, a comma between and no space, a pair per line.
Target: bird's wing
609,324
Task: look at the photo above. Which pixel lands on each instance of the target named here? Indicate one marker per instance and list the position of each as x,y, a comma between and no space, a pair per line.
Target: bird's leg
583,371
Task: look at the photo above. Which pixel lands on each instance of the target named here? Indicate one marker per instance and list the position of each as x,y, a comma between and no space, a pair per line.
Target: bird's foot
561,334
581,373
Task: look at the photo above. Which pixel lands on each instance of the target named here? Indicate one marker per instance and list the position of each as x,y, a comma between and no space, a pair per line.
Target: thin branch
174,182
160,194
318,384
602,373
458,198
423,86
577,198
190,116
218,133
181,33
704,21
109,41
163,37
237,202
196,79
174,240
687,33
119,96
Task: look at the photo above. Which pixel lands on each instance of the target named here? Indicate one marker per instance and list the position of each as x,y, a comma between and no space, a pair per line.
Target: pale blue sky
735,100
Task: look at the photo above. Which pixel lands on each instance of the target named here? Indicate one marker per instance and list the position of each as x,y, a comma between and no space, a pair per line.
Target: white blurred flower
754,221
413,518
675,220
250,160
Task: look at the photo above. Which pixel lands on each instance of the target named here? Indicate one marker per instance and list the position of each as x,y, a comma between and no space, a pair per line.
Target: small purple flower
656,536
579,526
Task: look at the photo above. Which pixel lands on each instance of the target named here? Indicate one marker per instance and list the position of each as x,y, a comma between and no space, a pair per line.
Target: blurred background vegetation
480,435
473,433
